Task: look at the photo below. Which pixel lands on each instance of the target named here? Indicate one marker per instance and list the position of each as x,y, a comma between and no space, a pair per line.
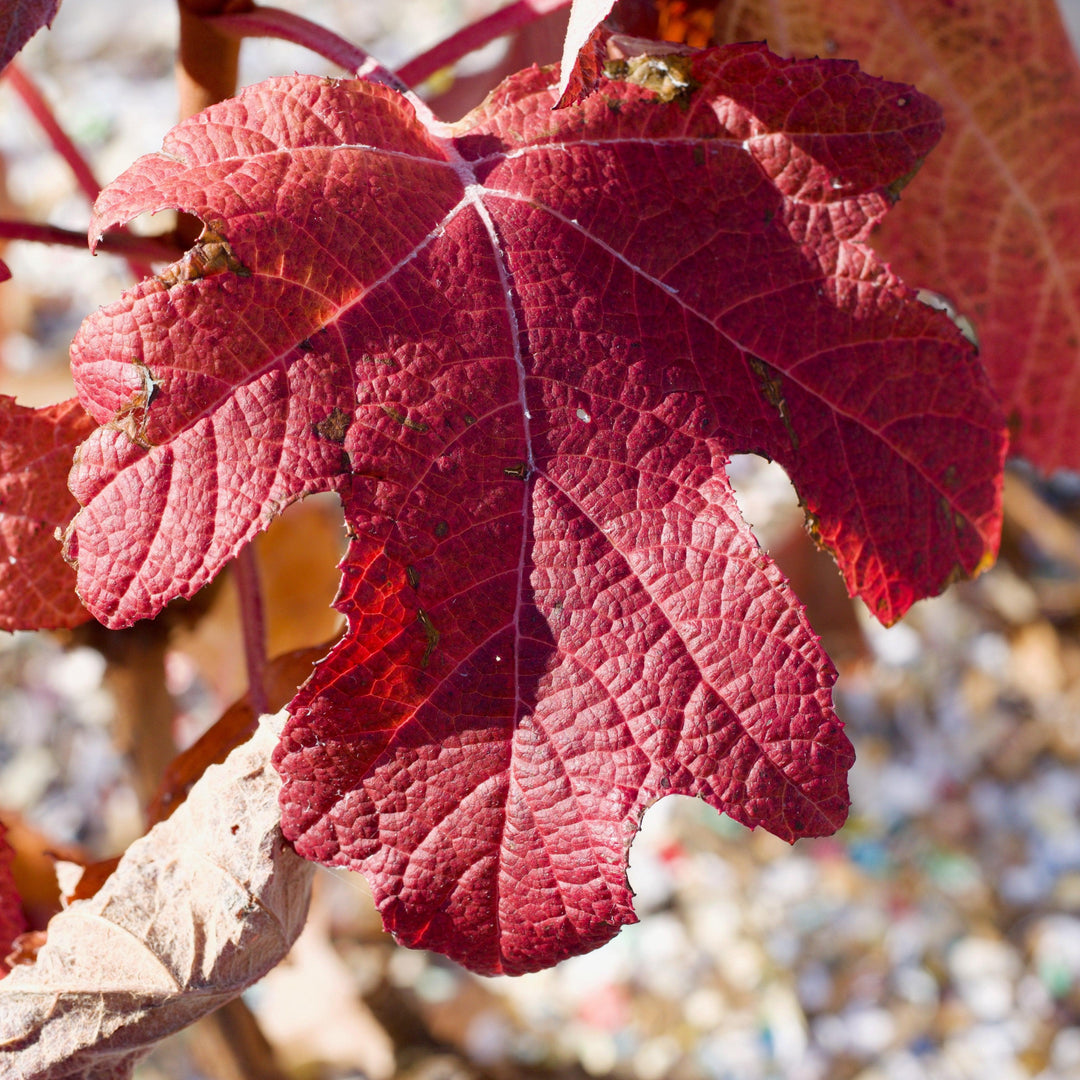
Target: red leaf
992,221
37,588
12,921
583,51
522,347
20,20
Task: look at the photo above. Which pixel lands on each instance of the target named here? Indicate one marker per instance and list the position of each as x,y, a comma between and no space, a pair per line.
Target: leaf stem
273,22
115,242
246,575
41,111
475,36
62,143
207,58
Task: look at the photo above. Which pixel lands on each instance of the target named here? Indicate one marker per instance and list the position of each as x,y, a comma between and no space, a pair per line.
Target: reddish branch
273,22
476,36
39,108
115,242
246,575
42,112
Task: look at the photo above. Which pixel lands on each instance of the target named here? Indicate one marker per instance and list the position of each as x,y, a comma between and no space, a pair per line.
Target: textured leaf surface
37,588
197,910
521,349
20,20
585,16
993,220
12,922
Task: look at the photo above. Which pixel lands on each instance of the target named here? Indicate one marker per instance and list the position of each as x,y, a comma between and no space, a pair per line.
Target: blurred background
936,936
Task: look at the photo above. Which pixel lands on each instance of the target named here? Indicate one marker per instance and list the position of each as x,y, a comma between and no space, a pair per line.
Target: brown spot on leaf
772,388
132,418
334,427
403,420
430,633
208,256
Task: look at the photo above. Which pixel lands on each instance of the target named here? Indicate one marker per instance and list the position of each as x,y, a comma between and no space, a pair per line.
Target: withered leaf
197,910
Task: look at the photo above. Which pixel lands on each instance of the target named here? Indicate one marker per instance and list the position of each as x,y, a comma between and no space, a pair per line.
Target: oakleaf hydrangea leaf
521,348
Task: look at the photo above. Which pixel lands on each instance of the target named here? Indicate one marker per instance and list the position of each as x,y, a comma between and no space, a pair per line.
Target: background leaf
197,910
993,220
37,588
20,20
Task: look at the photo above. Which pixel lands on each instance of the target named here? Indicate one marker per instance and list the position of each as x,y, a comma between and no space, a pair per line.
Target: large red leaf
994,218
521,347
37,588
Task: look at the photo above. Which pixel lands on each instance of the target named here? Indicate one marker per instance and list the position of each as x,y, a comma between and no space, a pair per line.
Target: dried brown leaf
198,910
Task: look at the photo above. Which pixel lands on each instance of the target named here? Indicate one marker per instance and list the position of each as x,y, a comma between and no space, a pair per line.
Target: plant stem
275,23
115,242
475,36
246,574
42,112
39,108
207,59
207,62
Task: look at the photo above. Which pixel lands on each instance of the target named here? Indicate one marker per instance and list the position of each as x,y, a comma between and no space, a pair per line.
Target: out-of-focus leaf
994,220
197,910
37,588
20,20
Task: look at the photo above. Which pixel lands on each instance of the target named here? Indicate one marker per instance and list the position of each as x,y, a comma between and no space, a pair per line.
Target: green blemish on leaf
773,390
430,632
892,191
401,418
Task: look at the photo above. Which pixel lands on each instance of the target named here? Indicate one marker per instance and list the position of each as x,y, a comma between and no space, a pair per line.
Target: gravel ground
936,936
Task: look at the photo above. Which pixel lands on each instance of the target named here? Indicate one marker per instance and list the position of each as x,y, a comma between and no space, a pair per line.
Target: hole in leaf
766,498
770,505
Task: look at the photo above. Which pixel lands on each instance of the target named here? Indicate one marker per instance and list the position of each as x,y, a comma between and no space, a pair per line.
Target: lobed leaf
993,220
37,588
521,348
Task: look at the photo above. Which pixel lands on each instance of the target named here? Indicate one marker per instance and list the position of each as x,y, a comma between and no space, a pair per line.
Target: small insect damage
211,254
132,418
943,303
